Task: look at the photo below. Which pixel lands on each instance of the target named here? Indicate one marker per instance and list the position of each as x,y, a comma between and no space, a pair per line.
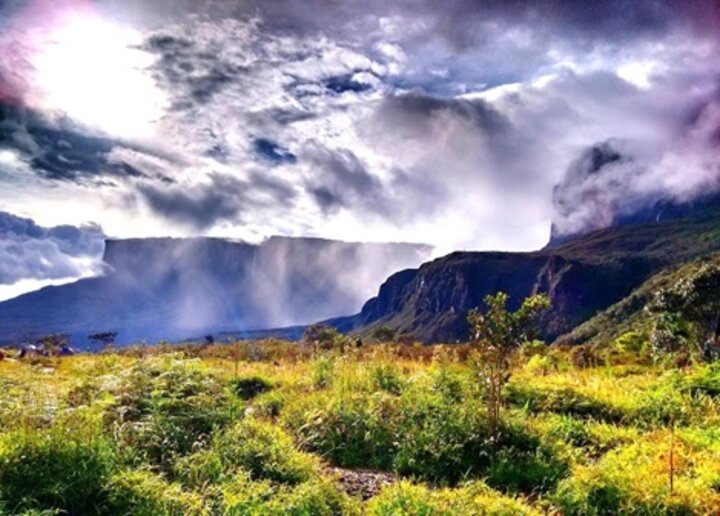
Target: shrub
166,409
144,493
250,386
540,364
705,380
387,377
352,430
422,435
270,404
634,479
64,467
631,342
263,450
448,384
243,496
322,372
561,400
474,498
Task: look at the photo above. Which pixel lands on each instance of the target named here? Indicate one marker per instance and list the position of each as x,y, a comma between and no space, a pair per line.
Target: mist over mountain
164,288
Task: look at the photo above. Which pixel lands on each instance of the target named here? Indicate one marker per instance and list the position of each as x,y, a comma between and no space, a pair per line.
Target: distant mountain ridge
168,288
582,277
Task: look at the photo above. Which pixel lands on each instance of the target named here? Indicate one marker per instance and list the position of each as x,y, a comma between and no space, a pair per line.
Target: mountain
165,288
582,277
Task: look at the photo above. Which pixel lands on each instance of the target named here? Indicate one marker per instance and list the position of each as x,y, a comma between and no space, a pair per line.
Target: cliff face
178,288
581,278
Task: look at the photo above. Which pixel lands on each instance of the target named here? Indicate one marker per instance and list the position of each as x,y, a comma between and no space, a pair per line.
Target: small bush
632,342
387,377
167,409
250,386
243,496
561,400
634,479
705,380
270,404
64,467
475,498
323,371
263,450
144,493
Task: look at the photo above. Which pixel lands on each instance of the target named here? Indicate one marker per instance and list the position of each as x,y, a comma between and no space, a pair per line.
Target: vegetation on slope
255,428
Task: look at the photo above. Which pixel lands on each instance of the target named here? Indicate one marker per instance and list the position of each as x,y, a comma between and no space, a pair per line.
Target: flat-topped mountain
582,277
166,288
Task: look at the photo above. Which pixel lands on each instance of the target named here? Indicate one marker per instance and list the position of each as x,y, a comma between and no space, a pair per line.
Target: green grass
199,432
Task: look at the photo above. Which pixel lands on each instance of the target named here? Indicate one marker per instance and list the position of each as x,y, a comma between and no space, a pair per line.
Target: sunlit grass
216,431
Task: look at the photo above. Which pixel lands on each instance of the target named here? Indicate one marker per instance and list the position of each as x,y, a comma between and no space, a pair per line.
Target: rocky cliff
581,277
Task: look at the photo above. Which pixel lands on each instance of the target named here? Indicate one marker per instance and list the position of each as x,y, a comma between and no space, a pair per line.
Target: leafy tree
324,336
51,344
104,339
690,308
496,333
383,334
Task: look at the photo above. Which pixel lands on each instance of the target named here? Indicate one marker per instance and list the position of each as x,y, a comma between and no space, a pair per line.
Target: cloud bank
45,255
447,123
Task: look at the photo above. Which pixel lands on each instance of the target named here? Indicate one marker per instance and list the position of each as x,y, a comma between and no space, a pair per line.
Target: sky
460,124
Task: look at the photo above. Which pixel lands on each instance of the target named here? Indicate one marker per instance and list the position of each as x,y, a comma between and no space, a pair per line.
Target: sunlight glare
94,72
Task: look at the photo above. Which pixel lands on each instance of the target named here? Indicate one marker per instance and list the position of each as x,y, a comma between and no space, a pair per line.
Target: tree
324,336
52,343
104,339
383,334
496,333
689,309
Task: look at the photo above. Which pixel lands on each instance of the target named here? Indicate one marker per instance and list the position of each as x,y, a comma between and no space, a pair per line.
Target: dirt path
361,482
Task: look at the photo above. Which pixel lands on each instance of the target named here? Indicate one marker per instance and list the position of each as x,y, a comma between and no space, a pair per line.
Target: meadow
273,427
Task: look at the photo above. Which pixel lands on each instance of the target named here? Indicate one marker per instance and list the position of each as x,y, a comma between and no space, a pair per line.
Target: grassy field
270,428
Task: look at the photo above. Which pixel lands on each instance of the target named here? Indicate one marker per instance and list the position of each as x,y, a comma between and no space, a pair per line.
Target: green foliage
691,307
427,435
163,409
705,380
63,467
243,496
497,327
248,387
631,342
262,449
387,377
323,371
144,493
475,498
633,479
325,337
352,430
165,434
383,334
496,333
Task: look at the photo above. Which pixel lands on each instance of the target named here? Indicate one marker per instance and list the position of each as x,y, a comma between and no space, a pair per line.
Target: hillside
582,277
629,313
168,288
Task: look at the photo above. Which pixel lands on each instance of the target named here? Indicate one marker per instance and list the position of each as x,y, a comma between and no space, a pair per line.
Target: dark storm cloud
28,250
222,198
61,151
198,73
457,21
416,111
341,180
